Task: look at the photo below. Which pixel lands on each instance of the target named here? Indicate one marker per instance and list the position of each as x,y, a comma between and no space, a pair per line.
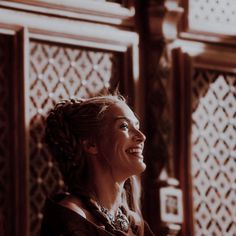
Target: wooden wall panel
60,51
205,137
6,167
213,152
59,72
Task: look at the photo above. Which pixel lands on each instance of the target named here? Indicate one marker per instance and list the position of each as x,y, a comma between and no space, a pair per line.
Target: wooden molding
205,31
76,23
205,55
19,133
164,18
187,55
78,33
104,12
208,38
98,35
181,77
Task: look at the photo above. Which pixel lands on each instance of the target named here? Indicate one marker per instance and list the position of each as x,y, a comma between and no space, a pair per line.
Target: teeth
134,150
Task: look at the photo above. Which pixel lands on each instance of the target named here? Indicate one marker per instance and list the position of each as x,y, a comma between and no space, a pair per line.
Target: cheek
119,143
114,144
114,148
107,147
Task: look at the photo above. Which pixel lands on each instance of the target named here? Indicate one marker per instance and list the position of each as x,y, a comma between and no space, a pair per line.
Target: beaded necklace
118,220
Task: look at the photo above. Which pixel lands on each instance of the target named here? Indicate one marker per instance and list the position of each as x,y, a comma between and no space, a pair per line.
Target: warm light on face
123,142
135,122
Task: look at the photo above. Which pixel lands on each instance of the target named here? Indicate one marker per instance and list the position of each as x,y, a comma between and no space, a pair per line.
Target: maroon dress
61,221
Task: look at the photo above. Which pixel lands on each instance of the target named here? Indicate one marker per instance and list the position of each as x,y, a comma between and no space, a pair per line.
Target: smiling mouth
135,151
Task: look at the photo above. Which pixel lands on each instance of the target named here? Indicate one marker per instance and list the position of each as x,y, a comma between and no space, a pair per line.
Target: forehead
121,109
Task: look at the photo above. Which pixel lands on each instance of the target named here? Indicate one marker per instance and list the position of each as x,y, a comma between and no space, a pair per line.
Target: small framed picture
171,205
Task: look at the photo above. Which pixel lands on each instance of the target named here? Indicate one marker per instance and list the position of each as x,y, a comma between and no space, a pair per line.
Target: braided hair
70,122
67,125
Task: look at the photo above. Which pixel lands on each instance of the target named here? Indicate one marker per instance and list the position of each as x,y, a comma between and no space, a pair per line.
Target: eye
124,126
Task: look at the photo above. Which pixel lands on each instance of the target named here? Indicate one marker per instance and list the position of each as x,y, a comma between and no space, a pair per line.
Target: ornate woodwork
59,72
205,101
204,91
61,50
98,47
212,16
213,152
158,142
206,21
209,21
163,18
162,21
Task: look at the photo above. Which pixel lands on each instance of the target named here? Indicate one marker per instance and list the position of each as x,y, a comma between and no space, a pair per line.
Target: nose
139,136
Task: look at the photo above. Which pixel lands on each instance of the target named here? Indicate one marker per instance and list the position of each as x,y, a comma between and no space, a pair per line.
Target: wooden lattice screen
215,16
214,153
59,72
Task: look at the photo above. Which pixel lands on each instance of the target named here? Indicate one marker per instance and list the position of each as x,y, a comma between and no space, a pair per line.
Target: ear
90,147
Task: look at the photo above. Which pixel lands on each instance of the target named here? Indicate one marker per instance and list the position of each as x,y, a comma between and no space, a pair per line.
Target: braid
63,143
70,122
58,135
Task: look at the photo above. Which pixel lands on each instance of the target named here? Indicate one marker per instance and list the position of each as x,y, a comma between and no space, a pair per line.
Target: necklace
118,220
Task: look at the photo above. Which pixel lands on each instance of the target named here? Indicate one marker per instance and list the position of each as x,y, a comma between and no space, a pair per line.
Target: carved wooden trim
164,18
97,33
201,31
80,33
88,34
207,38
181,128
204,55
105,12
21,123
24,24
185,57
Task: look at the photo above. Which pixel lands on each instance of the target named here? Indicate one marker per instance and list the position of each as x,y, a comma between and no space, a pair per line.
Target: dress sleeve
147,230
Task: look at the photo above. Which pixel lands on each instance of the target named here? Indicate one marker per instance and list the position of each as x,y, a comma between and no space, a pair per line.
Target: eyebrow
127,119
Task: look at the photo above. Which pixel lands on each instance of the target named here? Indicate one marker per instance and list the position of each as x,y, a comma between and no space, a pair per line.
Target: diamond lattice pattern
59,72
214,153
216,16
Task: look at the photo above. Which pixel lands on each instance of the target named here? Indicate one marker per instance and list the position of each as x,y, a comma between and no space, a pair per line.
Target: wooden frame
185,57
171,205
104,12
39,22
181,131
186,32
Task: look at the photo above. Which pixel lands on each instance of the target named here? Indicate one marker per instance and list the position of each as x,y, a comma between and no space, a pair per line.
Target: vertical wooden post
20,132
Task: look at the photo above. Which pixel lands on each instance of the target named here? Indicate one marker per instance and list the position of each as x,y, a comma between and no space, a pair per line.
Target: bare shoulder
74,204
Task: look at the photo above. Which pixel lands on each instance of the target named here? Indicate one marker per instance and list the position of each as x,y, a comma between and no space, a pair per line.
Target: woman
98,146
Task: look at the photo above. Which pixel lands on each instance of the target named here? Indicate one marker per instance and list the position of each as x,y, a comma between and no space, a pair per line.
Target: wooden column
163,198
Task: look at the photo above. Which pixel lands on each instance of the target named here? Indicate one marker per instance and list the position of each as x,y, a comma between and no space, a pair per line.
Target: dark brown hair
70,122
67,125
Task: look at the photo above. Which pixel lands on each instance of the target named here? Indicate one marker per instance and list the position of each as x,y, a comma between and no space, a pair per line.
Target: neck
108,191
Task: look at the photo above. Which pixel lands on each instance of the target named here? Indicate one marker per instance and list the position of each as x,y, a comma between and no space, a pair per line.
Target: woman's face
123,142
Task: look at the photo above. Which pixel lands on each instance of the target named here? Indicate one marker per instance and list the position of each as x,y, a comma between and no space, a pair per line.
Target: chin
139,168
143,167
